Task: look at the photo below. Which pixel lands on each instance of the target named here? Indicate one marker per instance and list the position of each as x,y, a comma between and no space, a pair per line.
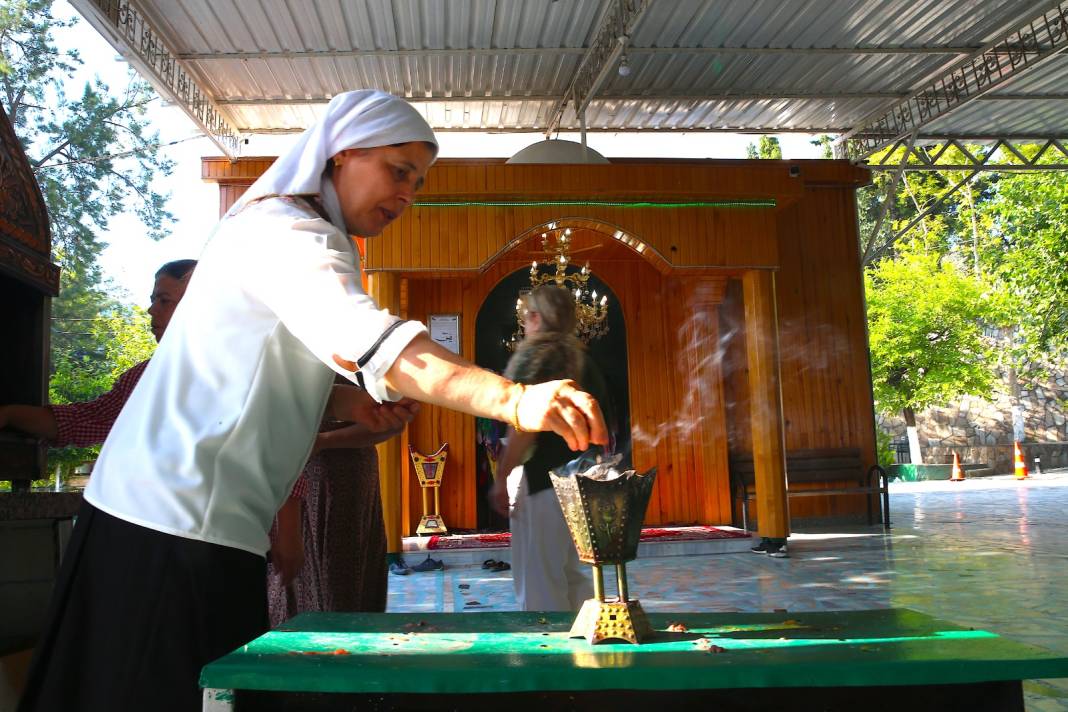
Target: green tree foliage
119,338
825,143
94,158
922,208
1008,229
92,155
1027,251
766,147
925,320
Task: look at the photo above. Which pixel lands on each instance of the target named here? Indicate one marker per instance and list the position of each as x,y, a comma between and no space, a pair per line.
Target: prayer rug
649,534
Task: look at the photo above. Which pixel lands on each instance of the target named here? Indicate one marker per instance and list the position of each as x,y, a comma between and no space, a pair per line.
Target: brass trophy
429,469
604,509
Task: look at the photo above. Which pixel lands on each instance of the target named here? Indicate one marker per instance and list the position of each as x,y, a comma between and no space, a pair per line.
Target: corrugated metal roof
750,65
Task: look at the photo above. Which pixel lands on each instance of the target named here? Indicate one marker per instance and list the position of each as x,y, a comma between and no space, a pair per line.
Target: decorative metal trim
129,28
1001,61
1052,156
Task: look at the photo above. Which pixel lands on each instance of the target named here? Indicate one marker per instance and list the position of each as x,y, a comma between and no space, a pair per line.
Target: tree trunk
915,456
1017,409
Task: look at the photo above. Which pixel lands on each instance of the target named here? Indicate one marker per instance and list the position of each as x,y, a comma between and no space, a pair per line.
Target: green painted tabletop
512,652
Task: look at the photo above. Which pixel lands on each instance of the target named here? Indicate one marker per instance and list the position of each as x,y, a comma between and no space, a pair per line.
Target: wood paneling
826,381
469,238
823,337
676,406
765,398
385,290
670,269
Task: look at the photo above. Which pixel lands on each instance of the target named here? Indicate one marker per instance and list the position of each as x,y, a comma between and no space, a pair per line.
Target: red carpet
490,541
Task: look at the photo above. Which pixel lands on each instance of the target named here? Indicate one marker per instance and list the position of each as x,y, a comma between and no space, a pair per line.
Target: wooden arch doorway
494,327
671,319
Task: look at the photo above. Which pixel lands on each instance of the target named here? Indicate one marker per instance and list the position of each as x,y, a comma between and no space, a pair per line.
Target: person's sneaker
399,568
778,550
762,547
429,565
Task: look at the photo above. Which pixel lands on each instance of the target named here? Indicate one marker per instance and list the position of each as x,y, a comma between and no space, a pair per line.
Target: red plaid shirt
85,424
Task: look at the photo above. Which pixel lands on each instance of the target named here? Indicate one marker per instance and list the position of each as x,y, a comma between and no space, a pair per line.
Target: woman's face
375,185
531,321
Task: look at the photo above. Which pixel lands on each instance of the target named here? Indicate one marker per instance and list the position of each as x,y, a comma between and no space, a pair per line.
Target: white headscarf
355,119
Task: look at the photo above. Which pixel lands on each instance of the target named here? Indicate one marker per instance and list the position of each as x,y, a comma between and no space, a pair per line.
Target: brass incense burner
604,509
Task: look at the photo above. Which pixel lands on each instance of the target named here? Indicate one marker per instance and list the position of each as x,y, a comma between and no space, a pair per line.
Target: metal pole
598,582
621,581
582,125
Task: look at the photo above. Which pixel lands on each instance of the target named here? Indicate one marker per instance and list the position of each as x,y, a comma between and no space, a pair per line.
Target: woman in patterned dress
341,525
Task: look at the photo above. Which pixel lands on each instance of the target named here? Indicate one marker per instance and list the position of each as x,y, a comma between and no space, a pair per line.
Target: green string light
596,204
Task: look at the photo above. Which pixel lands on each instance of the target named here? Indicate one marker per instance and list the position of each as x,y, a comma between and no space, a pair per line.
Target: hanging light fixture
591,309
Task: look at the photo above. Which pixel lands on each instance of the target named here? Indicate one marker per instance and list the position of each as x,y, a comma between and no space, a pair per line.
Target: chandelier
591,311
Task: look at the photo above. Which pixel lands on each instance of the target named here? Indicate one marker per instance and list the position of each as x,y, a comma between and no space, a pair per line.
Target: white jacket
224,417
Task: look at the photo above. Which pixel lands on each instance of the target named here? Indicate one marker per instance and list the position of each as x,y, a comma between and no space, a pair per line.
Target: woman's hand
561,407
354,405
287,546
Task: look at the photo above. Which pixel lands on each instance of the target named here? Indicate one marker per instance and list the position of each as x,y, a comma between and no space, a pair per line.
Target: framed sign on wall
445,330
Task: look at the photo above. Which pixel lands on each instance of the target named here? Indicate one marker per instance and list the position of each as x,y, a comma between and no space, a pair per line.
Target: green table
849,660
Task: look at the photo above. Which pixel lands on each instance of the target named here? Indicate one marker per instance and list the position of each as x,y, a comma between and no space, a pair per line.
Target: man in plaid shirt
85,424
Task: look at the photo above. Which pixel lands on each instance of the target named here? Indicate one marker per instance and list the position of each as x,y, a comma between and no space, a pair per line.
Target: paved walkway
991,553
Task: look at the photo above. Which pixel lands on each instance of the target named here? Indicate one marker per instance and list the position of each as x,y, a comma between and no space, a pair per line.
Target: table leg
216,700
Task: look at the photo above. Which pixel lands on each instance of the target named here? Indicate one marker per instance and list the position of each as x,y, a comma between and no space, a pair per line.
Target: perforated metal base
601,621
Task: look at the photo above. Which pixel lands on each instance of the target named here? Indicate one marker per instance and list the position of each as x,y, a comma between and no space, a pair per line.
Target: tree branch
57,149
133,186
118,109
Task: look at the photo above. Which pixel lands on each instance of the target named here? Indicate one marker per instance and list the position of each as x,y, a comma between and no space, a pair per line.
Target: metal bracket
616,26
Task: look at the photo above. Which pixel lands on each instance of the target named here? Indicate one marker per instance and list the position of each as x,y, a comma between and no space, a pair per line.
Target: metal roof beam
557,51
663,96
767,95
619,21
143,47
1003,60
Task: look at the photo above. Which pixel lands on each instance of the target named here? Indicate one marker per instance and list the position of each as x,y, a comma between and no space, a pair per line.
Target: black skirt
136,614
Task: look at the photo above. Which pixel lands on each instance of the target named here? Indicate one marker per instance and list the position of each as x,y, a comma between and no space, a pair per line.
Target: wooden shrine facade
28,281
739,286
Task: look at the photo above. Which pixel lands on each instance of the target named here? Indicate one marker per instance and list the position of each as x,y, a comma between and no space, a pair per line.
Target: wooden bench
816,466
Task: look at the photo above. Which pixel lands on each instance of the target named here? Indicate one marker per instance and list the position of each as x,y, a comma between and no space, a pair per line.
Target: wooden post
765,397
384,288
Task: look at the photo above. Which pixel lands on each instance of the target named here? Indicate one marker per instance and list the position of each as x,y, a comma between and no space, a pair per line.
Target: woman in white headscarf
165,571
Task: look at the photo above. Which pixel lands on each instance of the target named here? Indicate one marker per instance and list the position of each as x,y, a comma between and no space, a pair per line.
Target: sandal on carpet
500,566
489,563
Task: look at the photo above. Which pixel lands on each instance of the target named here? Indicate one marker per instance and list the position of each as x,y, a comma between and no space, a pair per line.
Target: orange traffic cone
1019,466
958,473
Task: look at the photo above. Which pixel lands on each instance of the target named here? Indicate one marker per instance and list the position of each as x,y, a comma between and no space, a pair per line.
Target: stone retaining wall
981,430
999,457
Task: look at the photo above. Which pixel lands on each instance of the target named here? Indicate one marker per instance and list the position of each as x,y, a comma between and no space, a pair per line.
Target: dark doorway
494,327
